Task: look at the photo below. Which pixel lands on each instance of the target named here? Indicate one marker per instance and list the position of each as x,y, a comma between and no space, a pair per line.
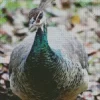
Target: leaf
75,19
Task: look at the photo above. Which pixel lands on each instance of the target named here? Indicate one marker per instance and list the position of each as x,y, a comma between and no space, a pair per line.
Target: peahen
48,65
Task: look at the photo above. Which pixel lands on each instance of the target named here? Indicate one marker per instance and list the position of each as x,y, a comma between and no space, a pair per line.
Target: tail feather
44,3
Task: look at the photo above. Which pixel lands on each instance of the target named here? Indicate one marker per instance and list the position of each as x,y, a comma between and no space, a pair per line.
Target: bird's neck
40,50
40,42
41,53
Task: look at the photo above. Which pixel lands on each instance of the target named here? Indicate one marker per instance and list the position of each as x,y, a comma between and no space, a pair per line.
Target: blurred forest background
80,17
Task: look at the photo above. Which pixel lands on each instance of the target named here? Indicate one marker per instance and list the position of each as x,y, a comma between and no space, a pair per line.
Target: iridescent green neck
40,41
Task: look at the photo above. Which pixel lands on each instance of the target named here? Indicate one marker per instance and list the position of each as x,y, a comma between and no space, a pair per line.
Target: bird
50,64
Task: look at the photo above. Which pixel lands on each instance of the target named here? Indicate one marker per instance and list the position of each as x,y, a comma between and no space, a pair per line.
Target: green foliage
2,19
2,38
12,5
29,4
84,3
0,66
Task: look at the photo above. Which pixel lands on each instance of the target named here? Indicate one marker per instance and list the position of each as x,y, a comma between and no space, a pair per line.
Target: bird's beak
32,24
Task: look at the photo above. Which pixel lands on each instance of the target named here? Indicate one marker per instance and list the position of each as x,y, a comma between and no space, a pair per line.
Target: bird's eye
40,16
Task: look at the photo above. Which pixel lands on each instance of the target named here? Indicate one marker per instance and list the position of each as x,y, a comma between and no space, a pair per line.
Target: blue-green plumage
41,41
49,65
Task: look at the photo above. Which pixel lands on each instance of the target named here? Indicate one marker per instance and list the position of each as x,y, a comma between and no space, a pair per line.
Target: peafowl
49,64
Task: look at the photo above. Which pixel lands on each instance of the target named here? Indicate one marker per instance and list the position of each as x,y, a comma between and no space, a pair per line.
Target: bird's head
36,18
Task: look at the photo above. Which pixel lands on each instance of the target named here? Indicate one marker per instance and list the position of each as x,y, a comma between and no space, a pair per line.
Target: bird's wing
82,56
20,52
68,45
44,3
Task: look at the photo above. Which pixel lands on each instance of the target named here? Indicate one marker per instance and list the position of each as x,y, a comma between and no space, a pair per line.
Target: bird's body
49,65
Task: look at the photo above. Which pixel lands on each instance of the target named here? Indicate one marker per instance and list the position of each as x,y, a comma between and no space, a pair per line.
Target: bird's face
35,18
